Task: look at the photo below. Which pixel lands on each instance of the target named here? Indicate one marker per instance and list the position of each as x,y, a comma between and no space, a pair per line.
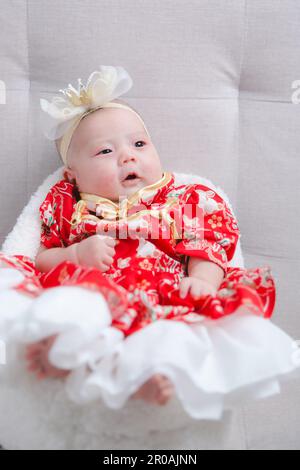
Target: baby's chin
129,187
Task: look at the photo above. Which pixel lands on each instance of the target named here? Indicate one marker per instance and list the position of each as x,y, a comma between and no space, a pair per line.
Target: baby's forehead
105,121
96,118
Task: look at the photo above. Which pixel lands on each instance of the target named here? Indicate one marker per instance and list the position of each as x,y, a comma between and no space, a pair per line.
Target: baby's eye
141,142
137,142
101,151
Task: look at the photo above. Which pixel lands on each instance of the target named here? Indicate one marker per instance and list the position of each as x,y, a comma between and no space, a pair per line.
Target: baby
110,156
107,146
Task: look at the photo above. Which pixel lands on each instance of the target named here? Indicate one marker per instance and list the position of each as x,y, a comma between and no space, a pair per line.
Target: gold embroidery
133,199
77,216
111,212
63,274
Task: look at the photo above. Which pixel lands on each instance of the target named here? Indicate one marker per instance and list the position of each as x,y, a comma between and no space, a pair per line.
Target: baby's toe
164,396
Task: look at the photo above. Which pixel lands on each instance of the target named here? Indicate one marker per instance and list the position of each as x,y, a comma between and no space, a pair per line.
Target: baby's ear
68,175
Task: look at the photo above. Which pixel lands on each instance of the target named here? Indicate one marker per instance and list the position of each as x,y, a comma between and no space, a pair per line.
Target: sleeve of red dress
209,228
51,212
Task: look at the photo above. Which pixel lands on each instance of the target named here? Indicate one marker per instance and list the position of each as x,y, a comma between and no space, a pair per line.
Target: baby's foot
38,363
158,389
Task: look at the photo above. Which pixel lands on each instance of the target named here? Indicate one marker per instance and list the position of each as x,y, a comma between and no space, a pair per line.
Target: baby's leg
158,389
37,357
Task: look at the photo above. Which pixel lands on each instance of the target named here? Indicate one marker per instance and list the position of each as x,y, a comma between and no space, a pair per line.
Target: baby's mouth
131,178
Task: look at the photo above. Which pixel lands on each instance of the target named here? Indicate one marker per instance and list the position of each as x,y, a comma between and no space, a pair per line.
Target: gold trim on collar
87,197
112,213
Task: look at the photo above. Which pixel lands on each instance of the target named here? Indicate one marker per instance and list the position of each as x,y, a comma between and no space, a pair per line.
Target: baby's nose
127,157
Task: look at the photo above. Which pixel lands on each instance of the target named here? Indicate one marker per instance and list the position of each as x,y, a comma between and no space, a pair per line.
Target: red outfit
162,226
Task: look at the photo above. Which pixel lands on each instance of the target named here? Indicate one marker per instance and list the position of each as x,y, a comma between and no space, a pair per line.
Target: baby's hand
197,287
38,363
96,251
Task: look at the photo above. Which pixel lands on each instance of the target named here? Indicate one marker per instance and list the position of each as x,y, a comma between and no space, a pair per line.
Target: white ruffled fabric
102,86
214,365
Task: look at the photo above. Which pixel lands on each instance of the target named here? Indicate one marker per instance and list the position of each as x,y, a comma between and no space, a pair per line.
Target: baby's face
107,145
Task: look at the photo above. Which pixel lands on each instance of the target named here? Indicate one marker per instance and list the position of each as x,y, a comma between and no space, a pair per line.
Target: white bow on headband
102,87
62,115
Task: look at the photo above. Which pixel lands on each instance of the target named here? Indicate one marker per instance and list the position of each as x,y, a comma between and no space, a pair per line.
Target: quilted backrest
216,83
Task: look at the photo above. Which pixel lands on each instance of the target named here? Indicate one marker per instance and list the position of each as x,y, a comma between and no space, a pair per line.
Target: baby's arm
204,278
48,258
208,244
95,251
206,271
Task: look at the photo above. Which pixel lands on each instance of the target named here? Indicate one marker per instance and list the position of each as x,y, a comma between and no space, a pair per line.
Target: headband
62,115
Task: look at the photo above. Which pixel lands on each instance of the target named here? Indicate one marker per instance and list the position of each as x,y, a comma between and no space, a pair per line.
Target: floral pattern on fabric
142,284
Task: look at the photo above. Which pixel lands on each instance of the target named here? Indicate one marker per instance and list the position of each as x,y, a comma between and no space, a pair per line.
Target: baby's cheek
153,171
111,187
103,178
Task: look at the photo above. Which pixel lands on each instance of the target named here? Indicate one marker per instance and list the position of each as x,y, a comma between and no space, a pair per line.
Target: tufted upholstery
213,81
